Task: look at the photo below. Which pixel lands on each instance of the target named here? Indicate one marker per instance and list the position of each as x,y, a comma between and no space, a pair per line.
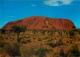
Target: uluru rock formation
42,23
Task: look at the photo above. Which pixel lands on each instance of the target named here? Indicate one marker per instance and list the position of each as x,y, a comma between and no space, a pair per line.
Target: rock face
42,23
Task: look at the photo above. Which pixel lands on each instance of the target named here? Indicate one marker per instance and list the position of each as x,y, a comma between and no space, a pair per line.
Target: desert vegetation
39,43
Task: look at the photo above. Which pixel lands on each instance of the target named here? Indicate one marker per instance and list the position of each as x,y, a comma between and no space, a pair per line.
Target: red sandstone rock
42,23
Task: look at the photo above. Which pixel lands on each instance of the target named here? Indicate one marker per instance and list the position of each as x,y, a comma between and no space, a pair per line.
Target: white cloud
57,2
34,5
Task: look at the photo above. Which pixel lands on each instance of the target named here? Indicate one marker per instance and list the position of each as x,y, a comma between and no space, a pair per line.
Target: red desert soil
42,23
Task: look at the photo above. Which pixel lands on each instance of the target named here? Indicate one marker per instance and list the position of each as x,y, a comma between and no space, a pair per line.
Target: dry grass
52,43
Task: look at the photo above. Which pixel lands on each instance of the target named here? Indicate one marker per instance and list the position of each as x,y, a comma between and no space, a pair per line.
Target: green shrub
2,31
62,53
1,44
52,45
0,37
12,50
60,42
27,52
40,52
75,51
27,41
18,29
18,39
71,33
43,32
39,39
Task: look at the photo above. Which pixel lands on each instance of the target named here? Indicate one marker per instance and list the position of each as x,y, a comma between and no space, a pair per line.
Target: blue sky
11,10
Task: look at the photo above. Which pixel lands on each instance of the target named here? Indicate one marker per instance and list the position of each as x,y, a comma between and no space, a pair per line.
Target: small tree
2,31
62,53
75,51
40,52
71,33
17,29
1,44
60,42
12,50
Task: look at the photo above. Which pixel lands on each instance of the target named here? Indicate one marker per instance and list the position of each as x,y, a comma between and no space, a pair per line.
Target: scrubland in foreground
40,43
